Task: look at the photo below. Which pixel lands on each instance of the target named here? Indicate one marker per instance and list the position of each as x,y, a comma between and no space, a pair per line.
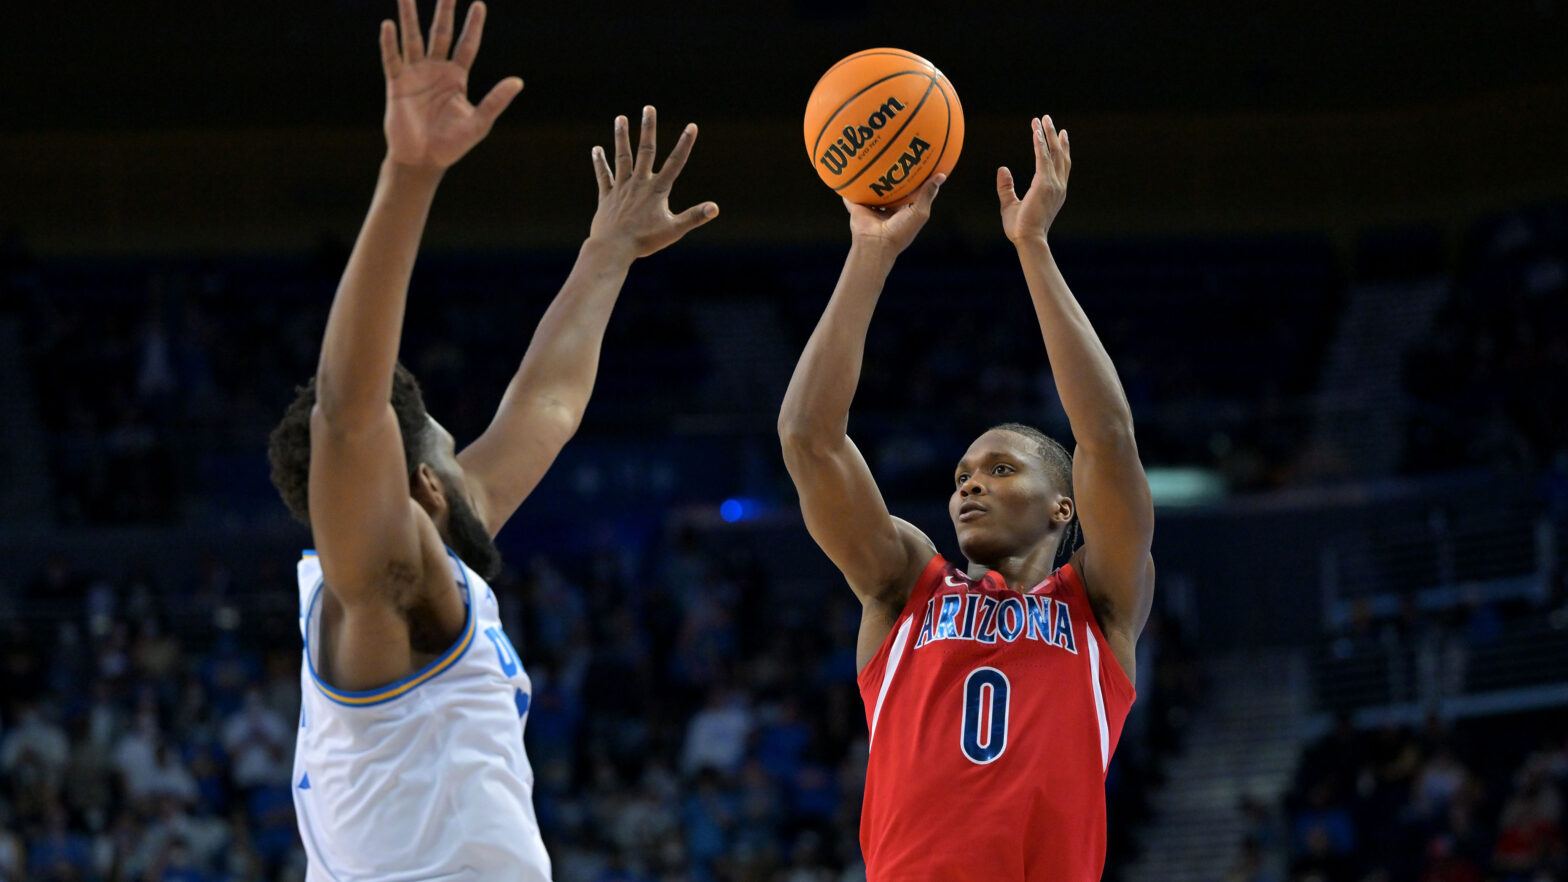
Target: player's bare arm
1110,488
379,549
545,401
879,555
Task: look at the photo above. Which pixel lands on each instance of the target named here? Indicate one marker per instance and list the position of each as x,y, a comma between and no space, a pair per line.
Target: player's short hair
1059,463
288,447
1056,458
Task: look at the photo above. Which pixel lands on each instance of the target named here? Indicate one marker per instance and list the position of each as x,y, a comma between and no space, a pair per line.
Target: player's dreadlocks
1060,464
288,448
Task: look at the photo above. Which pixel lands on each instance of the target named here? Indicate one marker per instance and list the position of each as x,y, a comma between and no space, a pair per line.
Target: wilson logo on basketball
898,171
840,152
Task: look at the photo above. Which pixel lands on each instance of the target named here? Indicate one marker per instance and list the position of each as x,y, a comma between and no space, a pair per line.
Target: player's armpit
361,647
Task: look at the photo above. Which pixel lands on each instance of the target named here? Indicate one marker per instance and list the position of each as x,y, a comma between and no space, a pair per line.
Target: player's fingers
927,194
413,43
391,61
646,141
468,43
696,216
499,98
1067,154
623,150
1005,190
677,158
1053,141
1042,149
601,172
441,29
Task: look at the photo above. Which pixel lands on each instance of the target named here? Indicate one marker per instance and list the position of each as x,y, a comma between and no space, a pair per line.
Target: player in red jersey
995,694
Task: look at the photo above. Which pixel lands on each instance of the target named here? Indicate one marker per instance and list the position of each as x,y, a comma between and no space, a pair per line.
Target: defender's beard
468,536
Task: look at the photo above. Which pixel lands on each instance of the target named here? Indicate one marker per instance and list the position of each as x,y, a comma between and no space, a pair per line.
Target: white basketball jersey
424,778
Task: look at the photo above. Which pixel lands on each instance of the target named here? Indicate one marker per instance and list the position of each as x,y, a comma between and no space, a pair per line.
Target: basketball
880,123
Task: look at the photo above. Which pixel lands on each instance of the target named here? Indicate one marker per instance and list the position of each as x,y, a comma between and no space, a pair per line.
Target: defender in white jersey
410,760
431,799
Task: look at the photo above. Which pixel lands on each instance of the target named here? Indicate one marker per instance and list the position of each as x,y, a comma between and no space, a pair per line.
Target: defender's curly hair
1060,464
288,447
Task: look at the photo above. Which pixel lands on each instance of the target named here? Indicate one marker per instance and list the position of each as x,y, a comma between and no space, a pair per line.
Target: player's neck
1021,571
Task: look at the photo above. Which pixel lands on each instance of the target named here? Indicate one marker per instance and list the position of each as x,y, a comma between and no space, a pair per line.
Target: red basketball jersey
993,717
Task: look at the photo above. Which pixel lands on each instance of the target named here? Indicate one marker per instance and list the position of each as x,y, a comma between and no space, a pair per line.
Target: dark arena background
1326,245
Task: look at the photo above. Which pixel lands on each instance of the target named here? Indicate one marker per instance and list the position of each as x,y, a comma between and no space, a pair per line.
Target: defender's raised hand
1031,216
634,200
893,227
430,122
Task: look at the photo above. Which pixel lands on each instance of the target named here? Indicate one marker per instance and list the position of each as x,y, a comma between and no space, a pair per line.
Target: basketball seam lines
816,146
896,53
947,136
892,139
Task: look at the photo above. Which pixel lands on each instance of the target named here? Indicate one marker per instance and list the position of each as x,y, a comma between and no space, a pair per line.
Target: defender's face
1003,499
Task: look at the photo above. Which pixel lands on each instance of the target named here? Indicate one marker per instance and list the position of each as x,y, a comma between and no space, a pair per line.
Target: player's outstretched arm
879,555
545,401
370,534
1110,488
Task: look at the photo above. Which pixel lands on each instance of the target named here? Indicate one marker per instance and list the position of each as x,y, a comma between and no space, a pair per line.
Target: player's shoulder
1070,574
915,540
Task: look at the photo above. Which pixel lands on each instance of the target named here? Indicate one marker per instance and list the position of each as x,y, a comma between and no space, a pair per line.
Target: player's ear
427,490
1064,510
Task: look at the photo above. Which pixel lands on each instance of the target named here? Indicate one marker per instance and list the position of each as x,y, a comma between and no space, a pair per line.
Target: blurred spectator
258,743
56,852
33,757
716,736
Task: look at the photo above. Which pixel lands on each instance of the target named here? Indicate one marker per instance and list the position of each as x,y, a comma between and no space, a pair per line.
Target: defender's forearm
562,361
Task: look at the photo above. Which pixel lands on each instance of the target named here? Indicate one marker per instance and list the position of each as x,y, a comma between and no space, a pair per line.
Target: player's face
464,532
1003,499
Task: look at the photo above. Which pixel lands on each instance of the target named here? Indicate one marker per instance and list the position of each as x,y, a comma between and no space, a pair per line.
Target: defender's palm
634,200
429,120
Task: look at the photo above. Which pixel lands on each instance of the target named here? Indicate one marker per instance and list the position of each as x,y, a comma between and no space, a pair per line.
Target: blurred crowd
1477,382
1480,800
693,718
154,381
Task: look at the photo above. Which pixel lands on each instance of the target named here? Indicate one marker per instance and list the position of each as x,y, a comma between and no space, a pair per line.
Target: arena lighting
1184,486
741,508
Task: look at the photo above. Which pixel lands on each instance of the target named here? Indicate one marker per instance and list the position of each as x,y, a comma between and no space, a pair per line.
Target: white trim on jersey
893,658
1099,697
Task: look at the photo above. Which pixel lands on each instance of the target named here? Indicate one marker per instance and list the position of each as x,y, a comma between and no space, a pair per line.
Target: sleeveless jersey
993,716
424,778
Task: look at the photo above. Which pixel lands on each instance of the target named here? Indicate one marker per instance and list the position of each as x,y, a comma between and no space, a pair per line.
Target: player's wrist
1033,241
620,250
398,172
874,250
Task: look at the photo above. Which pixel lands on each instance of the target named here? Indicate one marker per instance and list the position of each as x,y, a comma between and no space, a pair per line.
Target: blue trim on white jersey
394,691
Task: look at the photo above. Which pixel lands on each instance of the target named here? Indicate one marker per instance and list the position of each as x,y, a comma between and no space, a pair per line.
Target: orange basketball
880,123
